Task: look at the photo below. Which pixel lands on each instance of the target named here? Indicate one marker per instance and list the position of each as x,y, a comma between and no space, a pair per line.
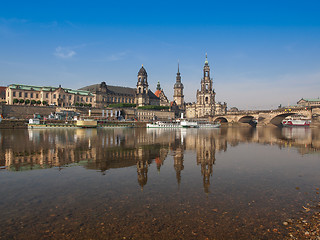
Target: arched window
206,99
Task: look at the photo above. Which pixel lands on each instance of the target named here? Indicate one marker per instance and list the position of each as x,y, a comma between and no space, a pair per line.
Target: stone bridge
266,117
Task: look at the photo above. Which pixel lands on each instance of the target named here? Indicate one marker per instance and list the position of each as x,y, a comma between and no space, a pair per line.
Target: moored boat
160,124
87,123
296,122
188,124
209,125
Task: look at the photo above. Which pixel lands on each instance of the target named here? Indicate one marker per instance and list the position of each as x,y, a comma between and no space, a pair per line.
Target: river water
228,183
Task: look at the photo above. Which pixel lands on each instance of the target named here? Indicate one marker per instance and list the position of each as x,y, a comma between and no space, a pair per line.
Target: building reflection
105,149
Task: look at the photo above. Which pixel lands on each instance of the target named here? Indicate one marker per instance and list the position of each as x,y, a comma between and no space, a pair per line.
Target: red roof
157,93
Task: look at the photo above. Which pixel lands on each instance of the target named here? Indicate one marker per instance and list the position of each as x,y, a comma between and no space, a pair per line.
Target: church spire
206,62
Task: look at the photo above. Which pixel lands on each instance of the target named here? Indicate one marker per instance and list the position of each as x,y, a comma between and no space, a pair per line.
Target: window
14,94
86,99
81,99
59,96
64,96
47,95
78,98
69,97
54,96
90,99
31,95
25,94
37,95
20,94
123,100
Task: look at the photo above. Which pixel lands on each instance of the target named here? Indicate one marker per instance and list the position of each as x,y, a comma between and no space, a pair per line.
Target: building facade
57,96
107,94
309,102
3,94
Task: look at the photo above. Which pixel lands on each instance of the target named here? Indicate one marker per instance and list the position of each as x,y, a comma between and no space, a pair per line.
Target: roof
310,99
110,89
122,90
157,93
48,89
117,90
142,72
152,95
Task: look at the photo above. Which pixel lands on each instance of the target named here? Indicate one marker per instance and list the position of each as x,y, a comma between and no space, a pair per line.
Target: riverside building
141,95
57,96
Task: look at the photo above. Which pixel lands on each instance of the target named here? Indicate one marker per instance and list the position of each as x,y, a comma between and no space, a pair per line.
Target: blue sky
261,53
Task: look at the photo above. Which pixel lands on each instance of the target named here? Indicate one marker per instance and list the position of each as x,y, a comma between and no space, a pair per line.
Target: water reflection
105,149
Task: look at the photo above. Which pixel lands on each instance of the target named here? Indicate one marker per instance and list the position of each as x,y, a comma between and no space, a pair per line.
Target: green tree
122,105
27,101
15,101
21,101
38,102
33,102
77,104
44,103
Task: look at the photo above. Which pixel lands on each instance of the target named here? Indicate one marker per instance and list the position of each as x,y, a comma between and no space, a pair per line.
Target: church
206,105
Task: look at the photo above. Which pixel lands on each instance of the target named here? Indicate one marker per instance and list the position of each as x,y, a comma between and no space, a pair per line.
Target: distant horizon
261,54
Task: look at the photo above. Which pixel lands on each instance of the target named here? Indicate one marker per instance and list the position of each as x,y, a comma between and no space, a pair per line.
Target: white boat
209,125
160,124
296,122
34,123
188,124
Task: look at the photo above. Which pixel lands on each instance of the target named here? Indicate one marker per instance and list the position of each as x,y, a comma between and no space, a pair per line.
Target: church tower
206,95
142,97
178,96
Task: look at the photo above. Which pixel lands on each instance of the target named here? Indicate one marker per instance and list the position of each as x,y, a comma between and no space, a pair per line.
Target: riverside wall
24,112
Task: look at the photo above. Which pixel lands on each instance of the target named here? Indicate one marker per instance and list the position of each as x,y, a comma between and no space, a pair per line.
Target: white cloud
62,52
116,56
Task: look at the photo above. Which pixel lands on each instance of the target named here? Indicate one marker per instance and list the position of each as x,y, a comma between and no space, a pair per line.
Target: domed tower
142,97
178,96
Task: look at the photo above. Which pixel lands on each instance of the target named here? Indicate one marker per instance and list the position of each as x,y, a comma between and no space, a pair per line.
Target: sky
261,53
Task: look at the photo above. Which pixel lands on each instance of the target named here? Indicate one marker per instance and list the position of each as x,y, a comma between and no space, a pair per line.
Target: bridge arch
221,120
248,119
278,118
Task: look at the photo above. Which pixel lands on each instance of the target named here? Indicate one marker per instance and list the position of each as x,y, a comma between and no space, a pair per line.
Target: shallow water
229,183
